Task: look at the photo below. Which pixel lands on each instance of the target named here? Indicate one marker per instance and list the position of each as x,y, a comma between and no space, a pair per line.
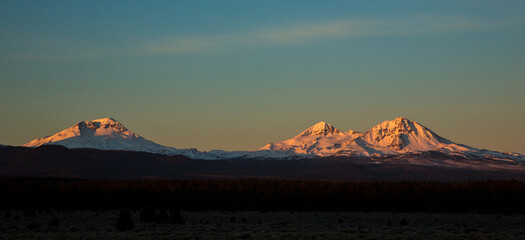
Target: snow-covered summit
109,134
104,134
320,139
402,134
394,137
320,129
88,132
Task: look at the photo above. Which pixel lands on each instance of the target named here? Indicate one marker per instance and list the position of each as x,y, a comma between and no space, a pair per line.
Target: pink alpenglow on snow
397,137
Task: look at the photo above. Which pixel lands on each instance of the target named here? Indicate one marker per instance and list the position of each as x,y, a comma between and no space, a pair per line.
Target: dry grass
269,225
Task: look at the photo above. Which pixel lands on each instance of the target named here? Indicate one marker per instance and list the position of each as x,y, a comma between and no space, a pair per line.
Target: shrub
147,215
30,212
124,221
33,225
175,217
162,217
54,222
403,222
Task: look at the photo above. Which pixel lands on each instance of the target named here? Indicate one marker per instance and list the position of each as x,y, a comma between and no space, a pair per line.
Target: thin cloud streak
73,55
301,34
282,35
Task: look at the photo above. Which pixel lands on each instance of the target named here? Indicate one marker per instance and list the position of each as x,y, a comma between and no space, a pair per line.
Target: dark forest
491,196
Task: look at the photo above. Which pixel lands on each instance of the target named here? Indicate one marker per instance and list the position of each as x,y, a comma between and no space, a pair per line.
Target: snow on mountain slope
404,136
396,137
104,134
258,154
320,129
108,134
321,139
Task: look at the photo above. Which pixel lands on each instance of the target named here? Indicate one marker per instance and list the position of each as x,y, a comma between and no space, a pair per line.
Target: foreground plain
268,225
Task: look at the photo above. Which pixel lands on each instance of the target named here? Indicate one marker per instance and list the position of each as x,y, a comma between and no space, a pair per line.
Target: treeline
263,195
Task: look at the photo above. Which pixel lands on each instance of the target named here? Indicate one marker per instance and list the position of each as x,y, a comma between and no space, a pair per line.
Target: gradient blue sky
235,75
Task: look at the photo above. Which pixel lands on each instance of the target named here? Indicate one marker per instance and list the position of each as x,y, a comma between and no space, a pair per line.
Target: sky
235,75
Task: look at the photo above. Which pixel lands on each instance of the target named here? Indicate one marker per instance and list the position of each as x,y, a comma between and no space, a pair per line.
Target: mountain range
399,149
397,137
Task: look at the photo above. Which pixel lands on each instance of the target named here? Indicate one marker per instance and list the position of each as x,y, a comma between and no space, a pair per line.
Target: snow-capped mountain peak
105,127
394,137
109,134
98,133
402,134
317,139
320,129
399,124
104,133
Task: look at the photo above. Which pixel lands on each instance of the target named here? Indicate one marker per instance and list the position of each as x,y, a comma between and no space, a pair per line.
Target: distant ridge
104,134
320,129
396,137
399,137
108,134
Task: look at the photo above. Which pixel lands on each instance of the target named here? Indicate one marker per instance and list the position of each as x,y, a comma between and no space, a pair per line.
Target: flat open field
268,225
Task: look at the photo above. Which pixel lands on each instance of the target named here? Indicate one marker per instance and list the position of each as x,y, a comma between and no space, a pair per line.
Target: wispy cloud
177,45
277,35
62,57
264,36
300,34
